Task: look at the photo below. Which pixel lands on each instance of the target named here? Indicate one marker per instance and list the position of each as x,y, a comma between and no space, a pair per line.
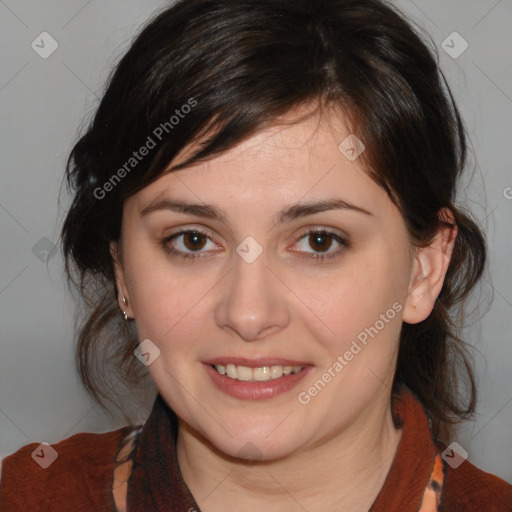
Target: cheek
342,306
166,299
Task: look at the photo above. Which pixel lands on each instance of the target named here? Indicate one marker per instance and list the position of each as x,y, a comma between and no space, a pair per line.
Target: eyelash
320,257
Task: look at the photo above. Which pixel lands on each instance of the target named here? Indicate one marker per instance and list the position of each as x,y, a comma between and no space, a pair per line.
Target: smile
255,379
259,374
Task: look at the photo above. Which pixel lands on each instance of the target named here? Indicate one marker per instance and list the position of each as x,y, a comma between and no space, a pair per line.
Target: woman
266,193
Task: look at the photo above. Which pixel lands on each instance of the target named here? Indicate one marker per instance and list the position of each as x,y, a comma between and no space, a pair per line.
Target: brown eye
188,244
320,241
193,240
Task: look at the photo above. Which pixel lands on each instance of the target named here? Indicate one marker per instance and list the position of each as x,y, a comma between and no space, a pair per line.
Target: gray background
43,104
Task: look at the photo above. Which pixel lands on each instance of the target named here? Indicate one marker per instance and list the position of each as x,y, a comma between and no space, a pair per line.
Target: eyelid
326,229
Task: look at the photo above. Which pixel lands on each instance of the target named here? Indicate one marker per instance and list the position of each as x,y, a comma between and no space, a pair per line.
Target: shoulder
77,469
468,488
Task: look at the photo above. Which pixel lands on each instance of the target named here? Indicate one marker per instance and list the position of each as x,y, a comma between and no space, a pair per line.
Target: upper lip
254,363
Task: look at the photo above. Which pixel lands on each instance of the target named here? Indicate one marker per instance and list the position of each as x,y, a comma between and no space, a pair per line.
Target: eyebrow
289,213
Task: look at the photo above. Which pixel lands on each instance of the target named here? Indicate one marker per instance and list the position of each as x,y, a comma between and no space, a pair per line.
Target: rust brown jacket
423,477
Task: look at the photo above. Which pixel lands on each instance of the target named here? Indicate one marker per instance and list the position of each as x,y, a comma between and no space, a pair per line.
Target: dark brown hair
242,64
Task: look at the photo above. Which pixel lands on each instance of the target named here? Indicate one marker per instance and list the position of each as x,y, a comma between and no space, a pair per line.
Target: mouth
255,379
258,374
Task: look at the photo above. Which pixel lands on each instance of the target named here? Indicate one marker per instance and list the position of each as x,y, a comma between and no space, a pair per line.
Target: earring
125,315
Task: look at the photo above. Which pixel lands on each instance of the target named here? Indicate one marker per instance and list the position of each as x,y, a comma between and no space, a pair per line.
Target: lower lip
256,390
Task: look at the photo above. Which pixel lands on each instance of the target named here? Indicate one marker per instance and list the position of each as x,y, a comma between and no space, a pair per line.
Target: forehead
282,164
304,129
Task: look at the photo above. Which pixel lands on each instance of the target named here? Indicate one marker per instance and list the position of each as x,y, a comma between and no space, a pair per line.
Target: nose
253,301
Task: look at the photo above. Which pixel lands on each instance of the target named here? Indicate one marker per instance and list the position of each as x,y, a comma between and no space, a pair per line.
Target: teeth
231,371
243,373
261,374
276,372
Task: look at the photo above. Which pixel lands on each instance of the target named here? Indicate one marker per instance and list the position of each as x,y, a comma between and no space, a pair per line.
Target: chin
256,443
256,451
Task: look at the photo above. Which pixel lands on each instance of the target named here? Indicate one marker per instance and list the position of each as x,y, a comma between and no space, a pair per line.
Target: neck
344,472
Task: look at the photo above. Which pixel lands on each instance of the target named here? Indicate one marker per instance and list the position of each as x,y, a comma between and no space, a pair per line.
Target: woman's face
253,290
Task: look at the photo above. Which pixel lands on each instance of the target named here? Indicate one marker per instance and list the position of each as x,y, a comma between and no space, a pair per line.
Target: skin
284,304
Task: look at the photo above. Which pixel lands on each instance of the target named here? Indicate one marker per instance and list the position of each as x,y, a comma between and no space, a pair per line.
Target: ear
429,270
122,288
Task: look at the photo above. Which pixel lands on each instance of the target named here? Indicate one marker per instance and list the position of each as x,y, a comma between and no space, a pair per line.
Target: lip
256,362
255,390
